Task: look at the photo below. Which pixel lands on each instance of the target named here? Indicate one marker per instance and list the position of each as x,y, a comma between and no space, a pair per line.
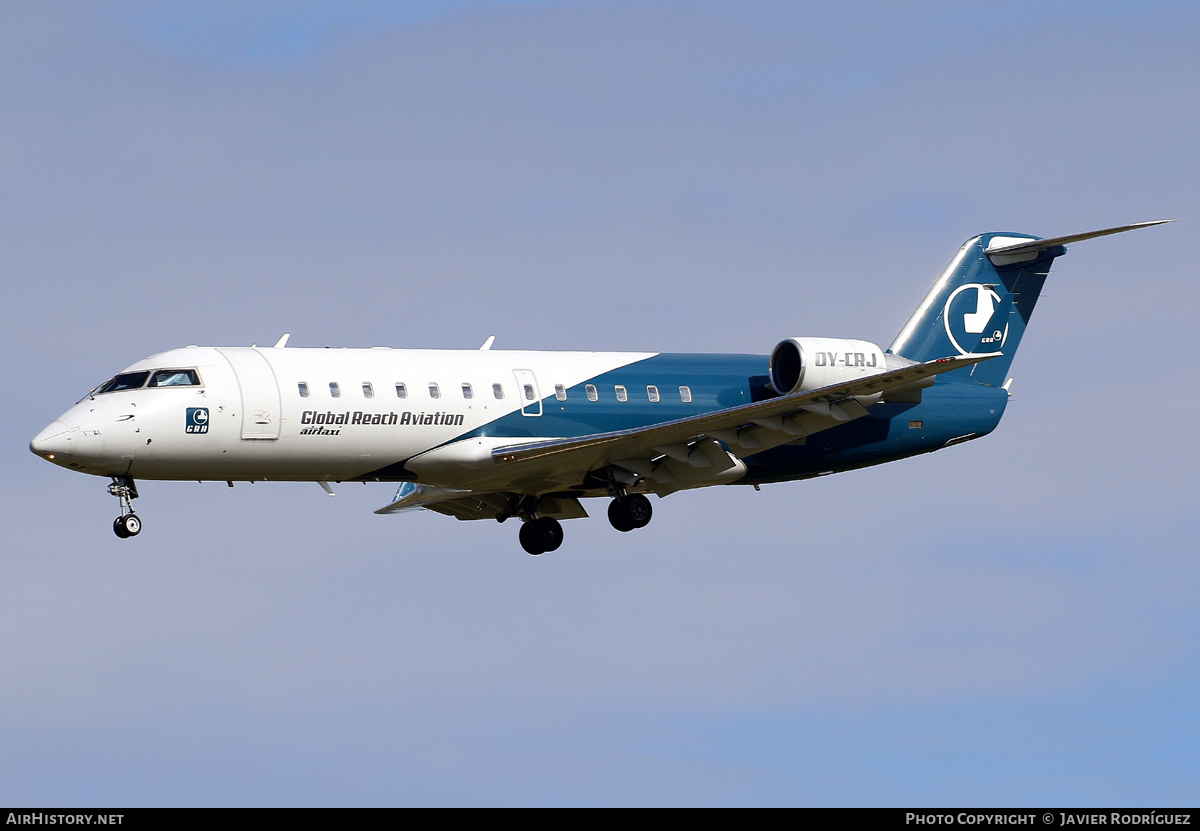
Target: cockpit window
175,378
125,381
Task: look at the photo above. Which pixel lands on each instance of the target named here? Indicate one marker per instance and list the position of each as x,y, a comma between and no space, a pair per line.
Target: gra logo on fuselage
197,420
968,317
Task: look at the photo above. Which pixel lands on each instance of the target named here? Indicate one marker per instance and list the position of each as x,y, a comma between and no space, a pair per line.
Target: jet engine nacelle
799,364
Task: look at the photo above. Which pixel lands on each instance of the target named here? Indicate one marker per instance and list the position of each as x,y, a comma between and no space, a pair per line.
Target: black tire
638,509
618,517
132,525
119,528
551,533
531,539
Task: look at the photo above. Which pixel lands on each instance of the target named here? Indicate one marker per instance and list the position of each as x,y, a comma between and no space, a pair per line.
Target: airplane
500,434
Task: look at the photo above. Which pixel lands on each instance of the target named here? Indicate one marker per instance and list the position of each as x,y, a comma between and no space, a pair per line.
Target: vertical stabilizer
984,299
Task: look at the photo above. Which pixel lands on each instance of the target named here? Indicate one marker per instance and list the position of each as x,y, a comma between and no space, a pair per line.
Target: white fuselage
312,414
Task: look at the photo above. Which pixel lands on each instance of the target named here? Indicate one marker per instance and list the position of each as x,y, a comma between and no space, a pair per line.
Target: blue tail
984,299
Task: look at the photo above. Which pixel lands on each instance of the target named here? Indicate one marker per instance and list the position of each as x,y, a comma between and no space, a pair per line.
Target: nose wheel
127,524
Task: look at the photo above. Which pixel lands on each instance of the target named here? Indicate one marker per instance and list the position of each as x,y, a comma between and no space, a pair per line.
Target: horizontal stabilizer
1029,249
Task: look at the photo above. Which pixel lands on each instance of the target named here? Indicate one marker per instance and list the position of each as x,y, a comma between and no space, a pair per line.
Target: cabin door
527,389
260,392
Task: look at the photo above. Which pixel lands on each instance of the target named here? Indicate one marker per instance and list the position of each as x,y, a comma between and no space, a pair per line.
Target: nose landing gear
127,524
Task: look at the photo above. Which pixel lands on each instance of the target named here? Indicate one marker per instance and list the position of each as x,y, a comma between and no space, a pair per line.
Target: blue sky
1008,622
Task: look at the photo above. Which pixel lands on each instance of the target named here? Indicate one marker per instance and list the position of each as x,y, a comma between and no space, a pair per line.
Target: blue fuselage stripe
952,408
715,382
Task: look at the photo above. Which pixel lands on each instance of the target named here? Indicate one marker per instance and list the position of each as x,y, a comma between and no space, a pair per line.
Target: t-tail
983,301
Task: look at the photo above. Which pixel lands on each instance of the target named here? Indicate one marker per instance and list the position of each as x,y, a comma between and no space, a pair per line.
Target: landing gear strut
127,524
541,535
629,511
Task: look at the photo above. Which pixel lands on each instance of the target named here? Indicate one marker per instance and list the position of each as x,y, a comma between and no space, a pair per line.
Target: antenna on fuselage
282,342
487,344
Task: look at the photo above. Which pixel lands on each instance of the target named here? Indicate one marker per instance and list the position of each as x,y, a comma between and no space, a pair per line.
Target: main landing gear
630,511
541,535
127,524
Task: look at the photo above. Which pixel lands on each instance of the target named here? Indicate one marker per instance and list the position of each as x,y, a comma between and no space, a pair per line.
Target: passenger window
467,391
335,390
592,395
128,381
303,387
401,390
652,393
622,395
685,395
528,392
434,390
560,392
175,378
368,390
498,391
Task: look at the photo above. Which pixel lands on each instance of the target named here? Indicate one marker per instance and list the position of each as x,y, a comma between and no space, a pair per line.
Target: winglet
411,496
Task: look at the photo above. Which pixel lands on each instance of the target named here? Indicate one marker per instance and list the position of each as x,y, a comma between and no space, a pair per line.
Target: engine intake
799,364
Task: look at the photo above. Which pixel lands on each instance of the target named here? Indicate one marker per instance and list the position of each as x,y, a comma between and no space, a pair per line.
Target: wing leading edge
836,402
673,454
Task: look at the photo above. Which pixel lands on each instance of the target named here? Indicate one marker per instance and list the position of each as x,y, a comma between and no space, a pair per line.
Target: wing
411,497
745,429
668,456
470,504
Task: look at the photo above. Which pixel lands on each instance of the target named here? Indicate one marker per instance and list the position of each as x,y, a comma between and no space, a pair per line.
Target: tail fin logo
968,317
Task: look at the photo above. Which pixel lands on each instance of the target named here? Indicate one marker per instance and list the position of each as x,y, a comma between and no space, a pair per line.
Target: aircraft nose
54,441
